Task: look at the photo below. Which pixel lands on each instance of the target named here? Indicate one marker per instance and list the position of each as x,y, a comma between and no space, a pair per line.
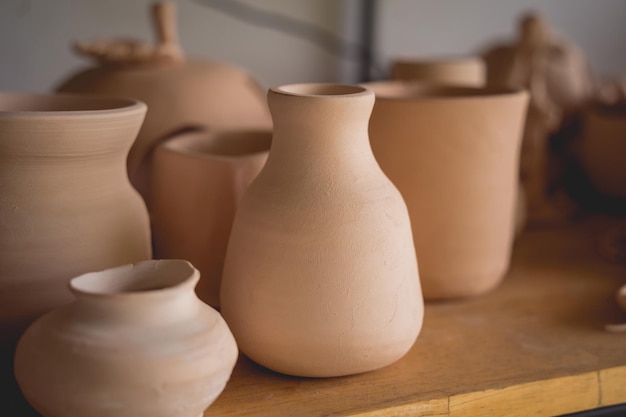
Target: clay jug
198,180
602,148
67,206
180,92
457,71
320,277
136,342
454,154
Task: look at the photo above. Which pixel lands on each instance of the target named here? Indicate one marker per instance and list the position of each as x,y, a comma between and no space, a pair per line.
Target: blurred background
285,41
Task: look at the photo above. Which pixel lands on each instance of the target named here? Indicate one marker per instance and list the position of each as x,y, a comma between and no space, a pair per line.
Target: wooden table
534,346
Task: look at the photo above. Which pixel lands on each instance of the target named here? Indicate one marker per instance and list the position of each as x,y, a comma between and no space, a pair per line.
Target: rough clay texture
180,93
137,342
66,205
198,179
462,71
320,277
454,154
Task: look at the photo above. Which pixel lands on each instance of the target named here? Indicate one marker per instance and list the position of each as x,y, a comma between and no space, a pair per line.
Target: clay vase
136,342
320,277
180,93
198,180
66,204
458,71
603,148
454,155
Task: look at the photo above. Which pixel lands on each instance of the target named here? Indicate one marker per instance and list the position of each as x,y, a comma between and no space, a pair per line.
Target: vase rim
65,105
398,90
141,279
322,90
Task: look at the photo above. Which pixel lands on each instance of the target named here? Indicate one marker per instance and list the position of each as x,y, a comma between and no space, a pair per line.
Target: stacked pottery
458,71
198,179
66,206
180,93
453,153
320,277
136,342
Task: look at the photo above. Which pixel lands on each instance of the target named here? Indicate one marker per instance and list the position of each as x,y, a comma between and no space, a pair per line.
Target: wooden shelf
534,346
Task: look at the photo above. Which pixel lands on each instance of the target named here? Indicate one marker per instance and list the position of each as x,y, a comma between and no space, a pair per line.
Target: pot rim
121,279
92,106
433,60
437,92
322,90
196,136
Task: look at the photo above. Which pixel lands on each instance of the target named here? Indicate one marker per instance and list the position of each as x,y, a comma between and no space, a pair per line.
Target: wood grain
535,346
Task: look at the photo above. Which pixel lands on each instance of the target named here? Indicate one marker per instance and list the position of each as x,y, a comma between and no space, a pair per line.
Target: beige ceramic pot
454,154
320,277
459,71
66,204
136,342
603,148
180,93
198,180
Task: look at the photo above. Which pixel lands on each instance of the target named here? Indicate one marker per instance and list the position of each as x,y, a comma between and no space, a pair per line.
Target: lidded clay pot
198,179
180,93
67,206
453,152
136,342
320,277
458,71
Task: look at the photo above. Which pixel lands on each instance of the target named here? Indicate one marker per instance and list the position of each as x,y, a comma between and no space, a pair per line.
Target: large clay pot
454,154
459,71
320,277
66,204
198,180
603,148
137,342
180,93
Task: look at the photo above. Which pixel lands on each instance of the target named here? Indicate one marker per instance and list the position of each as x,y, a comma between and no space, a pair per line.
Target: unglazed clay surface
137,342
198,180
66,205
180,93
461,71
320,277
453,154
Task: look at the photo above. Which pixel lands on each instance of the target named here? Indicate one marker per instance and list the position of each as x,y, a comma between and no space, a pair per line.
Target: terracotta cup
453,153
457,71
198,180
136,342
603,148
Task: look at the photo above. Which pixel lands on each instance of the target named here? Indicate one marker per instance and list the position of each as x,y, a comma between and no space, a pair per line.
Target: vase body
454,154
198,179
603,149
67,205
320,277
136,342
460,71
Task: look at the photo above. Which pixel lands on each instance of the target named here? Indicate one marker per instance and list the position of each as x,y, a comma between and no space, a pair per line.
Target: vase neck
319,126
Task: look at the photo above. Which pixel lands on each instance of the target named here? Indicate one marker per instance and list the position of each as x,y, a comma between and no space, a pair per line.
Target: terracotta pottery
603,148
66,204
454,154
180,93
136,342
320,277
460,71
198,180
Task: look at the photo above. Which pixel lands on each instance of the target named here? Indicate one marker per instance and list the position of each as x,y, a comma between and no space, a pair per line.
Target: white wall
35,35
